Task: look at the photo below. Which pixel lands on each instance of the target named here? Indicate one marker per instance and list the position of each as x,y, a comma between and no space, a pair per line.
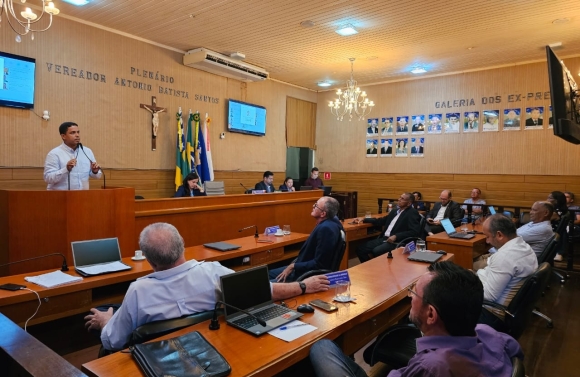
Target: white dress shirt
392,224
56,173
441,213
186,289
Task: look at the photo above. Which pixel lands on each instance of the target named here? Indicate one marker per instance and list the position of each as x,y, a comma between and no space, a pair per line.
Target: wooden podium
35,223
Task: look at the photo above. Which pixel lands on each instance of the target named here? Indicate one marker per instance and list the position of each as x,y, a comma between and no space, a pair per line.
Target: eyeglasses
411,292
316,206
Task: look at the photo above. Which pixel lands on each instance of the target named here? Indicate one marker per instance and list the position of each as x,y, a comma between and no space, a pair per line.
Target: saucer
279,235
138,259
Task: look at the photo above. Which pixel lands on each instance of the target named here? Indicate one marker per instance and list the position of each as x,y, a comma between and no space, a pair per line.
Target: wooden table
70,299
380,287
465,250
356,232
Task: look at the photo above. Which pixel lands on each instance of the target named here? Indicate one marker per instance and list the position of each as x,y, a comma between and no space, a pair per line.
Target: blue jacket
319,249
182,194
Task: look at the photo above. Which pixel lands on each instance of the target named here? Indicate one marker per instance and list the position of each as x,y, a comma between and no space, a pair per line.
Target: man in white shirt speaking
69,166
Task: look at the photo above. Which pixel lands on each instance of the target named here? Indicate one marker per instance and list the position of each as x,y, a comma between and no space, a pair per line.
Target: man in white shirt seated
446,209
506,269
538,231
176,288
475,199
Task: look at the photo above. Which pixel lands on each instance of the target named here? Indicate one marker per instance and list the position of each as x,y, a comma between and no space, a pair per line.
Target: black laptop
421,256
221,246
305,188
451,232
327,190
250,290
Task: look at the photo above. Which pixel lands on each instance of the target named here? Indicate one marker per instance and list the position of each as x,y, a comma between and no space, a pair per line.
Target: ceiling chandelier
24,25
348,101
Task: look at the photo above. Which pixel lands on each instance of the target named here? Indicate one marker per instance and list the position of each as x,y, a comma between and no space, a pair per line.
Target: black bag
186,355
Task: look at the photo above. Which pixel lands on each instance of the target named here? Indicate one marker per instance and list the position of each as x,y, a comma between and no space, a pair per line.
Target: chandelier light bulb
352,100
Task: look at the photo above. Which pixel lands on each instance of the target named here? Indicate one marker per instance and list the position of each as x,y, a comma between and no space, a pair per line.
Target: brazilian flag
181,168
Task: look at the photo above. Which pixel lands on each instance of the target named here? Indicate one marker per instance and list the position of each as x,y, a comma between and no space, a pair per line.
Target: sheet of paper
104,268
292,330
53,279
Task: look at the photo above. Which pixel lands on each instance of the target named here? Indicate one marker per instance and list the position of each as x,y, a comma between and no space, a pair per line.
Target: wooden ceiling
394,35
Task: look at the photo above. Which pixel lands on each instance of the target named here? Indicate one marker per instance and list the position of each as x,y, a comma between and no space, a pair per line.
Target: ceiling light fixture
346,30
23,25
418,69
324,84
348,101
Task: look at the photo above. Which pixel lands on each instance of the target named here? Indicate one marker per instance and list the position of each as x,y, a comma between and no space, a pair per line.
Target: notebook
97,257
222,246
250,290
451,232
421,256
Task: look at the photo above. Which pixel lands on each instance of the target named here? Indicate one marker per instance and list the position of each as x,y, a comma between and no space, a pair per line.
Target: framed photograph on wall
386,147
418,146
371,147
491,118
434,124
401,147
471,121
386,126
373,127
418,127
511,119
451,123
534,118
402,125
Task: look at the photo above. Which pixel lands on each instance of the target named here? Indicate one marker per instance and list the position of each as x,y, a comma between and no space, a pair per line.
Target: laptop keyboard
266,314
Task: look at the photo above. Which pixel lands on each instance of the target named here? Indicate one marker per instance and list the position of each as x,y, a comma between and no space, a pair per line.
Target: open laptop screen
491,210
246,289
88,253
448,226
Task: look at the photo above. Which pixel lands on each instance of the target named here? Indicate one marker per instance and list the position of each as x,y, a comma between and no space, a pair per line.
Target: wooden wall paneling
300,123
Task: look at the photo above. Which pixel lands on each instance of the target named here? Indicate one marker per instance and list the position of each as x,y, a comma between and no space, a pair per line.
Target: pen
289,327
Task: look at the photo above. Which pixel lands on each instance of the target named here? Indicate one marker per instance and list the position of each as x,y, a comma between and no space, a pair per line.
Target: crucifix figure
154,110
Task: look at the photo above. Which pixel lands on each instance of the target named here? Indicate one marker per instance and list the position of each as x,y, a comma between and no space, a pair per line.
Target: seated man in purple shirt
445,306
314,181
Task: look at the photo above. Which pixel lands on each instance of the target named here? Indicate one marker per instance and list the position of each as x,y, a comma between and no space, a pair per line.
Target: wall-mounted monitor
17,85
565,99
246,118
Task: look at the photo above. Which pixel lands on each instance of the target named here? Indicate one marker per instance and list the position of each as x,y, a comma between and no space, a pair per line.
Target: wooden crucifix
154,110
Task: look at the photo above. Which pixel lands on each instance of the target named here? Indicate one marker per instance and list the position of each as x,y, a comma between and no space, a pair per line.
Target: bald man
538,231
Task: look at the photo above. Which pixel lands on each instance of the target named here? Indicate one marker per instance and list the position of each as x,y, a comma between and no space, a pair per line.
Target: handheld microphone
64,266
215,325
245,188
104,179
256,235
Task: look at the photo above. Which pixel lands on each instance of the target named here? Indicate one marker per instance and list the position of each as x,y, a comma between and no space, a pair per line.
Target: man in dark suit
266,183
386,148
397,225
534,119
445,209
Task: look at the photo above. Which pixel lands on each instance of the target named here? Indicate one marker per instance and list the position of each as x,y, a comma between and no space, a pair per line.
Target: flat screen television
246,118
17,85
565,99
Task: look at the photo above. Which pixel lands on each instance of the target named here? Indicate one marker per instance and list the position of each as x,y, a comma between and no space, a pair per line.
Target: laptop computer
97,257
451,232
221,246
491,210
305,188
250,290
421,256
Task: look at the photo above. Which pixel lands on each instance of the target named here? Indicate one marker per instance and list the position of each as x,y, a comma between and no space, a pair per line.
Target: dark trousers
374,248
433,229
488,318
273,273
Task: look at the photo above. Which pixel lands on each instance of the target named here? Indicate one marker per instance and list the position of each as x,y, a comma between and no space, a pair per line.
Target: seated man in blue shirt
538,231
319,249
176,288
445,306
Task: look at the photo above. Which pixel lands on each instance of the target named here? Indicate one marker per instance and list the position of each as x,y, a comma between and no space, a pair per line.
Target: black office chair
562,232
156,329
521,307
335,261
139,197
518,367
395,347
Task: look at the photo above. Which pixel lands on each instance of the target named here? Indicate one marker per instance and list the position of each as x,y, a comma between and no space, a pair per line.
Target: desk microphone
251,226
104,179
63,268
245,188
215,325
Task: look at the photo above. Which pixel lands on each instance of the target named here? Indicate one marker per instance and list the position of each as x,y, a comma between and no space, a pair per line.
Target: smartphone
324,305
12,287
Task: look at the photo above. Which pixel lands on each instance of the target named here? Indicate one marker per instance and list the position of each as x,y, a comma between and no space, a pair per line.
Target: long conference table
380,287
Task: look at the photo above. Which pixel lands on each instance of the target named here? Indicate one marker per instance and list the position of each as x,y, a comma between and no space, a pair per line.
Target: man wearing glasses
445,306
445,209
397,225
319,249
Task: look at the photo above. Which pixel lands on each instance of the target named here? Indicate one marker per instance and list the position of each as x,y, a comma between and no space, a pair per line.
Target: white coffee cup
342,291
138,254
279,232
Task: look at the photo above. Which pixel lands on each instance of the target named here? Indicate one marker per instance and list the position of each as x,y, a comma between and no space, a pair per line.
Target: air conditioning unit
222,65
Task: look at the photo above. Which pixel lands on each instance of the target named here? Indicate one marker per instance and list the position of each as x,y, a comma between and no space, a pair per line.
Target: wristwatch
302,286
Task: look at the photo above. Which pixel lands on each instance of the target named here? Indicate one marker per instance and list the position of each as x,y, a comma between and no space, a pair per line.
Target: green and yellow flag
181,168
